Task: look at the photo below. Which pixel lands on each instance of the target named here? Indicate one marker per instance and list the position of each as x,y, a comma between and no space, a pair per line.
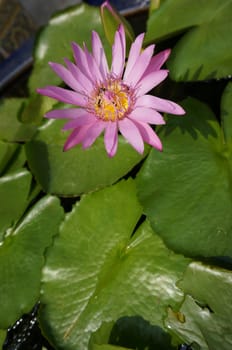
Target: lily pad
204,52
11,129
22,258
14,191
54,41
206,311
98,270
76,171
186,190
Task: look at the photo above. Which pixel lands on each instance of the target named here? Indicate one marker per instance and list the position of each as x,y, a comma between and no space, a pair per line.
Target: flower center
112,100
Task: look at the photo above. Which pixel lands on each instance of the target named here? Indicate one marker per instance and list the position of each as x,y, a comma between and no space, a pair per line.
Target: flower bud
111,19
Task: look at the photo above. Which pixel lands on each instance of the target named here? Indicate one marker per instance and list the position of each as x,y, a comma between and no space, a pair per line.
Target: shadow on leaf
137,333
37,155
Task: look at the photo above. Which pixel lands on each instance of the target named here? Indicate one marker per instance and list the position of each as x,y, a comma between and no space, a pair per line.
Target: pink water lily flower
112,99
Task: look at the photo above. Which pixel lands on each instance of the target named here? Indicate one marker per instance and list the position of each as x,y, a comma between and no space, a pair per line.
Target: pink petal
93,67
66,76
84,82
80,121
99,54
121,31
140,66
93,132
114,148
76,137
81,61
118,52
133,54
150,81
131,133
159,104
148,135
111,138
68,113
147,115
64,95
157,61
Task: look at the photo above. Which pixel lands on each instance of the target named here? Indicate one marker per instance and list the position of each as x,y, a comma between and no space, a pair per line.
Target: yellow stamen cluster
112,100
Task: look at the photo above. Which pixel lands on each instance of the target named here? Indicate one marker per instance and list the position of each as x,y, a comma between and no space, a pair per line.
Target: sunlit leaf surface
97,272
186,190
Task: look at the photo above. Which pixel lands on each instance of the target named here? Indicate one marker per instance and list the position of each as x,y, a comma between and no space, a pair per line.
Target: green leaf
186,190
22,258
208,25
76,171
17,160
154,5
14,190
97,272
101,336
6,152
54,42
206,320
12,157
108,347
2,337
34,109
11,129
226,113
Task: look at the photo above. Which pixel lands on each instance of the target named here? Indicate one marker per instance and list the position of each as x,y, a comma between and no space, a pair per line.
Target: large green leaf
54,42
14,191
22,258
97,271
11,129
76,171
204,51
206,320
186,190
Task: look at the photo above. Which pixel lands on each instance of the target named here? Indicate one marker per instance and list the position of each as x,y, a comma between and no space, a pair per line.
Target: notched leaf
186,190
207,27
206,308
97,273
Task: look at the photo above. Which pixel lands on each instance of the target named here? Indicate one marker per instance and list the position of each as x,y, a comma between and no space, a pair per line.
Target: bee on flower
112,99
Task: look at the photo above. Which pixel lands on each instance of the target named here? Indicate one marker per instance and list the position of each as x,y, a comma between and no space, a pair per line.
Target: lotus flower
112,100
